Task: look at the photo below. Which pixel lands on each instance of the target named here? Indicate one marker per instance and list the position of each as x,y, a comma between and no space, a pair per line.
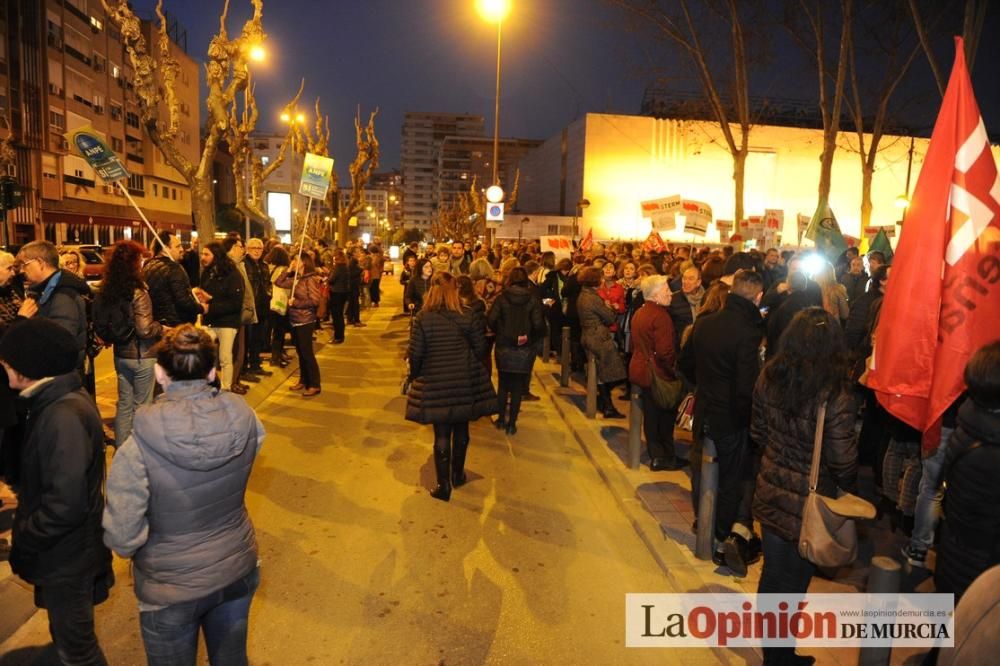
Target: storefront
64,228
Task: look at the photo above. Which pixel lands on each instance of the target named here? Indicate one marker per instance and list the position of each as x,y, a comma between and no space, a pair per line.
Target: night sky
561,59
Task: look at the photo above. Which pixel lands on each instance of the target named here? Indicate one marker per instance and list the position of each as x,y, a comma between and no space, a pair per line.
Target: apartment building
423,134
462,159
64,67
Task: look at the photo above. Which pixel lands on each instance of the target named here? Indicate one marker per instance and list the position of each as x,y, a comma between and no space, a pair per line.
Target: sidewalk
660,508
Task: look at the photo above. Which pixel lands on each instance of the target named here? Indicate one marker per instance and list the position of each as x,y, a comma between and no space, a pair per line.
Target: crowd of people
754,345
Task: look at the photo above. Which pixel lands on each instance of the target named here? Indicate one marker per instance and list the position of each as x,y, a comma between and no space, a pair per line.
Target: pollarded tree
226,73
461,219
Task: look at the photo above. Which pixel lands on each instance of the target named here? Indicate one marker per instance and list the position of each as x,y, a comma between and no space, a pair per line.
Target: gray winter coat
175,494
595,321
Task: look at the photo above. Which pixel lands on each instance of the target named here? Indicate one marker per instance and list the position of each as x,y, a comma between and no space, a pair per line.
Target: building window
78,173
116,111
116,72
173,191
166,192
117,144
137,183
57,119
265,160
132,119
100,62
114,34
156,189
96,24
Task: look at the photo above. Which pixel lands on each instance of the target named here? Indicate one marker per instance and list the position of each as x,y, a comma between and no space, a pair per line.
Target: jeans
658,425
135,387
373,290
928,508
226,336
279,327
170,635
735,475
338,301
354,306
512,386
308,367
255,337
71,621
784,572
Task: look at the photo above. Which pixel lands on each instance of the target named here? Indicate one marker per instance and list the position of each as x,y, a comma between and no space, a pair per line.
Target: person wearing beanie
57,537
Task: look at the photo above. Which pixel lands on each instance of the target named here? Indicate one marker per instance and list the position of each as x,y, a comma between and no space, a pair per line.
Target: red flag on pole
588,241
942,302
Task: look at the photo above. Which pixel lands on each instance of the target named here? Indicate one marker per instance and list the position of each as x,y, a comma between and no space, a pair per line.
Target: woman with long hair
418,286
307,291
448,384
176,506
596,319
517,320
834,293
72,261
277,261
123,317
477,304
809,370
222,290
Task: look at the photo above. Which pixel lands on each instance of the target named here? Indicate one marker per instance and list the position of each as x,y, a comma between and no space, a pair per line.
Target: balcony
135,158
76,12
76,54
75,180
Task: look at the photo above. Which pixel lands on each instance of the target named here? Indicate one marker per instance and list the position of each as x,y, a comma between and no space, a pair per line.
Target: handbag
829,536
685,413
279,295
667,394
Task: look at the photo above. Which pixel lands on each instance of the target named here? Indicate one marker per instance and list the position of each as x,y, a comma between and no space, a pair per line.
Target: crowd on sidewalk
767,353
763,354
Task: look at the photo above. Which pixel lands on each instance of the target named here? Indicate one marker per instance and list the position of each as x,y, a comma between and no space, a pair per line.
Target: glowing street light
495,11
258,53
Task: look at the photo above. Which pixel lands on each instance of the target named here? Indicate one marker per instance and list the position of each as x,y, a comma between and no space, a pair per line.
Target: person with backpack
516,318
123,318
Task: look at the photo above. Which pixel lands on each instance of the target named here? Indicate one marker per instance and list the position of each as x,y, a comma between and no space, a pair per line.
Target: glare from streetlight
285,118
300,118
258,53
494,11
902,201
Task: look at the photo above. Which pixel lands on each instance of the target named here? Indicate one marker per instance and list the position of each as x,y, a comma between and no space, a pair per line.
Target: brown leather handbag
829,536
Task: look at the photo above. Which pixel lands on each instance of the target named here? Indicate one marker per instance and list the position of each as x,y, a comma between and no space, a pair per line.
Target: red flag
943,298
654,243
588,241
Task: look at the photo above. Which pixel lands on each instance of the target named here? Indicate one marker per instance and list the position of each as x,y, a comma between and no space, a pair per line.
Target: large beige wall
632,158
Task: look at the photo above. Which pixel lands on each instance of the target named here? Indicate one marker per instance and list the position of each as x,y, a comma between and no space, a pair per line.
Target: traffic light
11,194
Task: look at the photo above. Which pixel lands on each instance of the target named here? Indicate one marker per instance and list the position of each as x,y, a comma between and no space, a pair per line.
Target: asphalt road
529,563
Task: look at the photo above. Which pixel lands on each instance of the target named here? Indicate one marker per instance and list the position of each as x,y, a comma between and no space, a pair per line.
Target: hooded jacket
516,312
62,297
176,494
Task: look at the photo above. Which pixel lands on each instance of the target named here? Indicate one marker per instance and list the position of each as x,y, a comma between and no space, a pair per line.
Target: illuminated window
96,23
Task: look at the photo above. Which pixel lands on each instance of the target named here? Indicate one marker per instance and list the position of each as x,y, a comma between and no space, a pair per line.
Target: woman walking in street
175,505
517,320
808,372
653,351
449,386
307,291
222,290
123,317
596,318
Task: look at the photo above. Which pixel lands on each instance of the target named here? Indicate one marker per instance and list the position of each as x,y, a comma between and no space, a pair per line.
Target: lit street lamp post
495,10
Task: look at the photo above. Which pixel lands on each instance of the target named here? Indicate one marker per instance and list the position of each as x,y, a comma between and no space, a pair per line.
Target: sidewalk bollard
591,386
705,544
884,578
546,343
564,376
635,429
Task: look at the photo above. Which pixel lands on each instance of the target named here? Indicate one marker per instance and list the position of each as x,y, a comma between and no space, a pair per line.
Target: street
529,563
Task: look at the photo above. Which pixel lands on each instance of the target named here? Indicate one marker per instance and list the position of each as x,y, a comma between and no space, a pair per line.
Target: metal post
705,544
635,428
565,358
591,386
884,578
547,343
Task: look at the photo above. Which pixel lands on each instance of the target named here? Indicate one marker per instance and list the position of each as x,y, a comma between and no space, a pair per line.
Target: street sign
316,172
90,144
494,212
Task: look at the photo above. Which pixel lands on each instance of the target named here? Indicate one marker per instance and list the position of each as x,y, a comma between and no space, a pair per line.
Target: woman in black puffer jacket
516,318
809,369
970,538
222,289
449,386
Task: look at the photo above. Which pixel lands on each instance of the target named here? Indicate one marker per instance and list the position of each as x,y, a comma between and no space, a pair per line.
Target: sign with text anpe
561,246
91,146
661,212
316,172
697,217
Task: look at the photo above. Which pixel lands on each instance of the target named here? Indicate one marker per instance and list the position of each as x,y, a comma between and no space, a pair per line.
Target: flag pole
141,214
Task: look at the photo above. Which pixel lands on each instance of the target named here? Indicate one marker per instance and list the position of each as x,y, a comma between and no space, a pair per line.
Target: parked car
93,260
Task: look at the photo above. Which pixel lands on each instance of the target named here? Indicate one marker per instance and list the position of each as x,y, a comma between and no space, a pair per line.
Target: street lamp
258,53
495,11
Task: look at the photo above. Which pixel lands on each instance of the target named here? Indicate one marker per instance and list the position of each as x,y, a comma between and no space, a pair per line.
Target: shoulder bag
667,394
829,537
279,295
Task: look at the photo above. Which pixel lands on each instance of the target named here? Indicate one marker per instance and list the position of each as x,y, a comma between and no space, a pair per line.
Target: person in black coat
57,533
169,287
448,384
516,318
554,302
340,291
799,298
970,537
723,361
221,290
354,277
418,286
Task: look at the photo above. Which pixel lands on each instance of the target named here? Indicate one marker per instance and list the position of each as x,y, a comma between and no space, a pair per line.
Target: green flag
881,243
825,232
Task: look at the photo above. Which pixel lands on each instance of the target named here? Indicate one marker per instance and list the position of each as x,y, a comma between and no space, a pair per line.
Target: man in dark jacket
799,298
723,361
169,287
684,302
260,284
58,294
57,543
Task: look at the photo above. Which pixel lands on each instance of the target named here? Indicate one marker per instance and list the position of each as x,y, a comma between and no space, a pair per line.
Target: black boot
442,465
608,411
458,478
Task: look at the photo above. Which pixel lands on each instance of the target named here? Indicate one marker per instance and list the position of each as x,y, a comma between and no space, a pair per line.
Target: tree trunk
826,164
203,209
739,178
342,230
866,196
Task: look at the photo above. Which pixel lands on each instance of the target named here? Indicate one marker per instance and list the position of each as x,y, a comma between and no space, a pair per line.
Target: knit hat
38,348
